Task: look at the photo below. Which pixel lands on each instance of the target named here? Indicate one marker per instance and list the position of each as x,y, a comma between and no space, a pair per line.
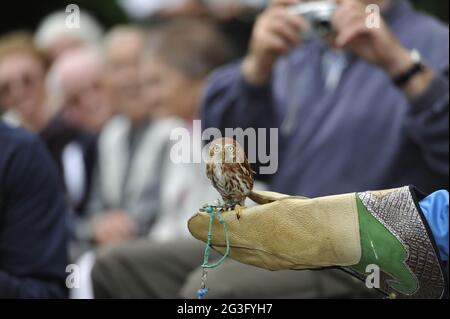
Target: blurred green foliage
438,8
13,15
108,12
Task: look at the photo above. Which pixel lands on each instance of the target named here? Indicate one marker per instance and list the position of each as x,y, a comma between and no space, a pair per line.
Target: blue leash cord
212,211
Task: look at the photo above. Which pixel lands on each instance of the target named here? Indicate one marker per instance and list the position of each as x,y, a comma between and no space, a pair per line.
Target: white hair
54,26
55,92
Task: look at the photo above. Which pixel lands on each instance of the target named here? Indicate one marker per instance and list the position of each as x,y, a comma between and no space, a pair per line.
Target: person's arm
33,237
428,124
428,93
426,90
242,95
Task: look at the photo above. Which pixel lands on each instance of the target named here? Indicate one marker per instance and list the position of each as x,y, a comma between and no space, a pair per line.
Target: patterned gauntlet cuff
396,240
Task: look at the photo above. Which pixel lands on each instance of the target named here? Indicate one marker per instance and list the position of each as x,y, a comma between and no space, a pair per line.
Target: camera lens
322,27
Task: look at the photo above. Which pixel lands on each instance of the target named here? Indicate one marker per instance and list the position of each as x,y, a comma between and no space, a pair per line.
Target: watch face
416,56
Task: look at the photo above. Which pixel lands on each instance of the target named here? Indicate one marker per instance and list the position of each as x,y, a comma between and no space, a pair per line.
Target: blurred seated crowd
104,105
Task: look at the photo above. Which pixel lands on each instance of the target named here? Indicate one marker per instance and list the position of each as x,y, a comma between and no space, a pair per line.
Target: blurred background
110,12
27,15
93,94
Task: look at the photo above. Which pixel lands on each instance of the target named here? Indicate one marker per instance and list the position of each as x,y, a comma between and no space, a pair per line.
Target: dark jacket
33,219
56,136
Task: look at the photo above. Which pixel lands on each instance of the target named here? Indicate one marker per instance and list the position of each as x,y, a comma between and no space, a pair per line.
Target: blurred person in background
23,70
320,92
33,214
54,37
124,194
134,166
359,110
125,198
122,47
75,84
176,61
78,82
140,191
29,95
80,87
172,73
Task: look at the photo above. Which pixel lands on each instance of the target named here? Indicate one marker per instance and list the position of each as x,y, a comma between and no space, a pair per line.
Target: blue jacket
435,210
33,230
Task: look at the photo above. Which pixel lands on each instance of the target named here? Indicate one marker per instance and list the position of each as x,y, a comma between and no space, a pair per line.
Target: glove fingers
265,197
288,233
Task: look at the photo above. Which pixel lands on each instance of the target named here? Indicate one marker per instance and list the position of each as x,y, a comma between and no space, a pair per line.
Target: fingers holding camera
287,32
348,22
377,45
276,31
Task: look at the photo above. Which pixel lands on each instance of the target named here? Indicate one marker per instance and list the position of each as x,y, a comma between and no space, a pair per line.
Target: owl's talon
238,209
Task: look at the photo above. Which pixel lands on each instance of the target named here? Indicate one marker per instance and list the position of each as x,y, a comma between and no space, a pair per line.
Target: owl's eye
216,149
230,148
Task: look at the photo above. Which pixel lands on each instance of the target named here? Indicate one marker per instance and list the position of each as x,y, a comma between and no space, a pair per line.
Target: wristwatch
418,66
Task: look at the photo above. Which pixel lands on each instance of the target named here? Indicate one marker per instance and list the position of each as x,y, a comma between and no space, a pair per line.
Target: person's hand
276,31
113,227
378,46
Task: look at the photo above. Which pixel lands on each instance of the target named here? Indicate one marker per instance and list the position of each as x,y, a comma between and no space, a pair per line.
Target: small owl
231,175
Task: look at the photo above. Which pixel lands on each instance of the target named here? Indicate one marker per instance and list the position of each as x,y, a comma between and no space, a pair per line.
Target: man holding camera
364,107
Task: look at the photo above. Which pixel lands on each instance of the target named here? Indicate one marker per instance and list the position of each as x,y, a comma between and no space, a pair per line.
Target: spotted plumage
229,171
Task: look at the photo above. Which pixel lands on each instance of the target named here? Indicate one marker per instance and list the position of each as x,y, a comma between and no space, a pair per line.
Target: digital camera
318,14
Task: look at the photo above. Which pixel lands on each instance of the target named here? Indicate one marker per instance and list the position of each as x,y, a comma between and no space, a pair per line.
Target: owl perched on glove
230,173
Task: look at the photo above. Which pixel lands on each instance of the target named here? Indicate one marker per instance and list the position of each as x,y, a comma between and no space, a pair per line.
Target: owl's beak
223,157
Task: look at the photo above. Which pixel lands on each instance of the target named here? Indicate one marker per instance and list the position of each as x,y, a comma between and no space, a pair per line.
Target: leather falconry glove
385,229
